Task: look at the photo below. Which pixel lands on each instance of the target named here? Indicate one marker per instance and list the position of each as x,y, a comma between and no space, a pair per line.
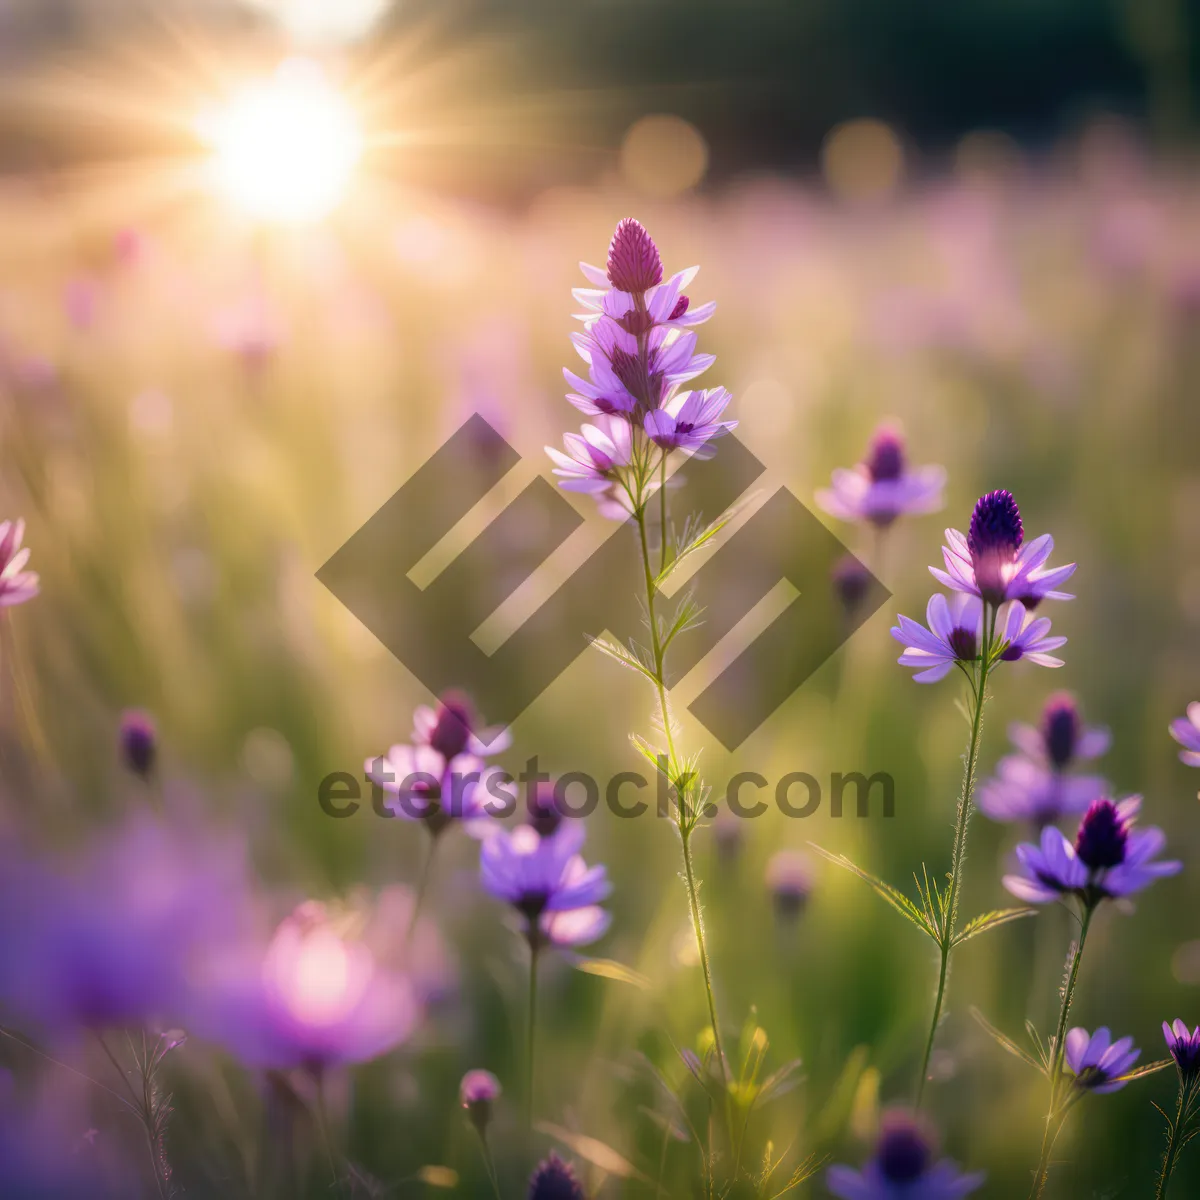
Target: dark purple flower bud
1103,836
1184,1045
634,264
885,456
477,1093
542,810
555,1180
452,732
681,306
993,540
851,581
1061,728
789,880
139,742
906,1147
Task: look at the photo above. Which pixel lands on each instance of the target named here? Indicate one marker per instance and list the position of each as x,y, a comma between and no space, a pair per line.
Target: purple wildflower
1035,785
315,996
955,635
903,1167
542,811
851,581
1097,1062
1108,859
789,881
555,1180
883,487
593,456
690,420
546,880
995,563
1186,731
16,584
452,729
634,264
430,789
138,742
1184,1047
477,1093
1024,636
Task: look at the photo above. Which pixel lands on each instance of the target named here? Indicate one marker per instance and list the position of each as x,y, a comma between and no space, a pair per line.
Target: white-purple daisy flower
1097,1062
1036,785
883,486
16,584
594,455
690,420
1108,859
1184,1047
994,562
904,1166
955,635
546,880
1186,731
426,787
1021,635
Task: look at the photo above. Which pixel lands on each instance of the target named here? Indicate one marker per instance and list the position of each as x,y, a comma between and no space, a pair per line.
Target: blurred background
258,261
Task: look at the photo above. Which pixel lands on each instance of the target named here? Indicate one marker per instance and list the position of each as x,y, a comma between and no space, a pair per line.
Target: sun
284,148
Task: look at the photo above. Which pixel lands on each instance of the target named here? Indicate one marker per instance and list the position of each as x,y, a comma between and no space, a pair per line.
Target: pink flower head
16,584
634,264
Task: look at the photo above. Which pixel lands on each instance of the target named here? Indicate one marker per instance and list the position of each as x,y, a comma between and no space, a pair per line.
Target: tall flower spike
993,561
634,264
883,486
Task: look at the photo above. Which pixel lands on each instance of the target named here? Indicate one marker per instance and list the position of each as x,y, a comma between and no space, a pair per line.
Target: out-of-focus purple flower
81,300
904,1166
690,420
138,741
316,997
883,487
789,881
955,635
542,811
432,790
16,584
249,328
993,561
1035,785
477,1093
1024,636
1097,1062
112,938
1184,1047
1186,731
593,455
851,581
555,1180
1108,859
546,880
452,729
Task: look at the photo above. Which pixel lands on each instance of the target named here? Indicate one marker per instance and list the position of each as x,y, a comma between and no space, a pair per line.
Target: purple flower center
993,540
1060,729
634,264
964,644
554,1180
904,1150
681,306
1102,836
885,458
452,730
1186,1053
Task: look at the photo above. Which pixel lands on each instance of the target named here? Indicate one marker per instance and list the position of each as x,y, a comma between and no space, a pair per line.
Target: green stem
957,860
489,1163
1056,1065
326,1139
529,1042
1172,1151
683,819
662,514
422,888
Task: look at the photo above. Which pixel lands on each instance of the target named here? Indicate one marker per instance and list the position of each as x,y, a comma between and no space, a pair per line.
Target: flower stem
422,887
1056,1065
489,1163
683,818
529,1043
957,860
1172,1150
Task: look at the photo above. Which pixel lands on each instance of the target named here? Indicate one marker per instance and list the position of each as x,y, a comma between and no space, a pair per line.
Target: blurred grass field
197,413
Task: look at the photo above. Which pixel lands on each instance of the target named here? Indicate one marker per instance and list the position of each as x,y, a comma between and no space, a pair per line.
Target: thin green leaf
1006,1042
1149,1069
606,968
896,898
627,658
655,757
990,920
695,535
594,1151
